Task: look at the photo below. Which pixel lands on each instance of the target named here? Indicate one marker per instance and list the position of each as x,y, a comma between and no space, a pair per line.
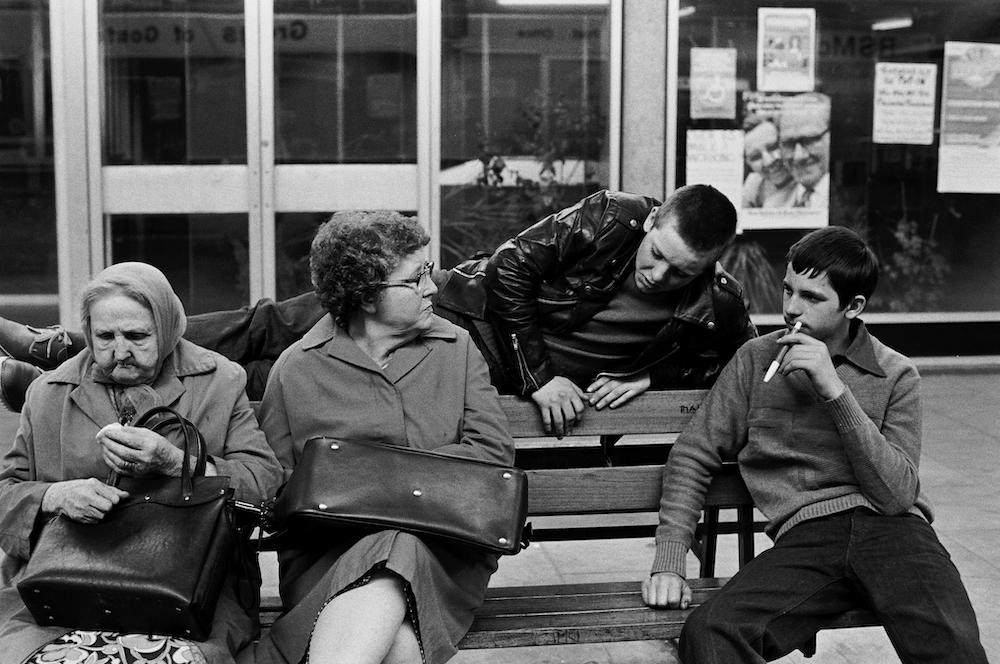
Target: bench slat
616,490
651,412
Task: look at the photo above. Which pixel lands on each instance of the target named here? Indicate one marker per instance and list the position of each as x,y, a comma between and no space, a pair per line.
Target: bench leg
710,542
809,647
744,519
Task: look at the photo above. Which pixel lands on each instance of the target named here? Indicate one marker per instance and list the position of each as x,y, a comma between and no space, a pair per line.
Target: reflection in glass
345,82
27,182
203,255
525,102
937,250
175,84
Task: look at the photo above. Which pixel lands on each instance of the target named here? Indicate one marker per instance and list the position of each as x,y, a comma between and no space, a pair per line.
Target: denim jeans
821,568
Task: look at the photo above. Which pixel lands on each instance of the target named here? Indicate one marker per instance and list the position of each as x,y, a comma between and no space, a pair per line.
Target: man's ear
855,306
649,222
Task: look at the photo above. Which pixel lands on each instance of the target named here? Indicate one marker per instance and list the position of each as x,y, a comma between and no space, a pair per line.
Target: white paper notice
715,157
713,83
905,97
786,49
970,119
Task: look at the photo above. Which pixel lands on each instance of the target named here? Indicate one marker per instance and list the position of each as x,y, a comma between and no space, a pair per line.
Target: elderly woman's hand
86,501
139,452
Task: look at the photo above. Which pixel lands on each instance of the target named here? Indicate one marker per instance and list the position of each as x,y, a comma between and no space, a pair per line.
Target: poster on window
715,157
786,49
713,83
905,97
786,161
970,119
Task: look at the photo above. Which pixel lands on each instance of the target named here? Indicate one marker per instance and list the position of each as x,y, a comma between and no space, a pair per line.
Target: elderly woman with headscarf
63,453
379,367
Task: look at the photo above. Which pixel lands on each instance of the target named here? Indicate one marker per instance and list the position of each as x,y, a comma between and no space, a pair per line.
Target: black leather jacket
559,272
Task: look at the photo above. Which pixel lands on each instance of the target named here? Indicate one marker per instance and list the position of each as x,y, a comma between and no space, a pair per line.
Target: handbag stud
322,506
417,493
334,446
506,476
502,541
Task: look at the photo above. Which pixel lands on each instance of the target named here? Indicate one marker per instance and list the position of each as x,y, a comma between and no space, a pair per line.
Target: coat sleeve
20,494
274,421
885,460
485,432
247,459
514,275
716,432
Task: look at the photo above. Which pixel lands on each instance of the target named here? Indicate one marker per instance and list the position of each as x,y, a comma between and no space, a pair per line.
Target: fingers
666,589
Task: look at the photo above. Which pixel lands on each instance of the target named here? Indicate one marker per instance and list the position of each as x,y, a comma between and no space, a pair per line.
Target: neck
839,343
376,340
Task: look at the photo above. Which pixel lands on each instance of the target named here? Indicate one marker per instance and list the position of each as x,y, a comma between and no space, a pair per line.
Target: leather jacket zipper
522,365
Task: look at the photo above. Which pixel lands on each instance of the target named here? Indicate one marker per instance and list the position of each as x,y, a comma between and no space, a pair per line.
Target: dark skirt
445,584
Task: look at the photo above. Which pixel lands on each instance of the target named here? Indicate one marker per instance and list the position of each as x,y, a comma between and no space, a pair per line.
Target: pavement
960,473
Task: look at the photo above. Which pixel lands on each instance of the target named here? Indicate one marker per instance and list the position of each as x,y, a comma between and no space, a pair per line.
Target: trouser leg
778,600
259,332
915,590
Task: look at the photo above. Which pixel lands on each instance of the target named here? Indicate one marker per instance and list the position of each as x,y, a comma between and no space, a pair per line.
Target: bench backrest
591,472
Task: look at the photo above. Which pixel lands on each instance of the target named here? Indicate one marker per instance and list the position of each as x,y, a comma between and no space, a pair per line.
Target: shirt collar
861,352
327,330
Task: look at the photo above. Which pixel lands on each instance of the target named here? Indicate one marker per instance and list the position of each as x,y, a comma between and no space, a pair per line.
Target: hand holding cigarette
776,363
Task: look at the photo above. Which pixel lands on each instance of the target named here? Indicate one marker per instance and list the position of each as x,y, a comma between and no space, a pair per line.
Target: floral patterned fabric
82,647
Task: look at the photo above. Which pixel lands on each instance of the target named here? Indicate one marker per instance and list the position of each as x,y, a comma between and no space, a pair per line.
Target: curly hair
354,251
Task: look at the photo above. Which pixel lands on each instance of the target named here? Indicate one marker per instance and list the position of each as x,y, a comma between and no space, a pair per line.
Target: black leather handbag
373,486
156,563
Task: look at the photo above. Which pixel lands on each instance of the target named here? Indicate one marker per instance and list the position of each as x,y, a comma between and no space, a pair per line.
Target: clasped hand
131,451
812,356
562,402
139,452
666,590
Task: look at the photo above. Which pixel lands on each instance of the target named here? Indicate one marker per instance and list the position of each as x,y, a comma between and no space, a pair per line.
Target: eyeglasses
808,143
414,281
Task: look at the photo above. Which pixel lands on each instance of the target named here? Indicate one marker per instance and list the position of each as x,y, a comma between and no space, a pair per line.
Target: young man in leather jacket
589,306
599,302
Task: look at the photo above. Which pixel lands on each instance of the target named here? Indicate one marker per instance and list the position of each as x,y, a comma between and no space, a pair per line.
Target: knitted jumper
801,457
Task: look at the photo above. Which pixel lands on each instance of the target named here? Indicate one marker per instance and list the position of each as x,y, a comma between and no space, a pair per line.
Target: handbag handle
159,417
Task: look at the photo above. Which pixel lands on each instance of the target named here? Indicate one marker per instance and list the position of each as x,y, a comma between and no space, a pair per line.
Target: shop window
936,243
28,280
524,114
345,82
203,255
175,82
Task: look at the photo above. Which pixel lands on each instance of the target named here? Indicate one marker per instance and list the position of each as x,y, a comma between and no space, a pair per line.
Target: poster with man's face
786,151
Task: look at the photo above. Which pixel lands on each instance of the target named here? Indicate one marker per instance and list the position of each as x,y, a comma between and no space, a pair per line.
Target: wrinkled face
805,143
664,261
124,339
762,153
813,302
404,303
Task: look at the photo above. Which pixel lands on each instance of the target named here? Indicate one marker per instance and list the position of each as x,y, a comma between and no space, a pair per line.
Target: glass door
230,128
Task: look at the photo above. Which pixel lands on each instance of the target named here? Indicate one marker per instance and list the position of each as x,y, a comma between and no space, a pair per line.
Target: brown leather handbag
155,564
338,485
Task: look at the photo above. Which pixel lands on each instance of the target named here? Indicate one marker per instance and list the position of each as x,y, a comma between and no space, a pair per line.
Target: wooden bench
574,484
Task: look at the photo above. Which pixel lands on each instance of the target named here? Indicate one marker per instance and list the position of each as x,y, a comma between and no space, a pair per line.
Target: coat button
633,223
711,325
723,281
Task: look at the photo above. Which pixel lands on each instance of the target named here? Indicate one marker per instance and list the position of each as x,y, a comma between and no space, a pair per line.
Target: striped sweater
802,457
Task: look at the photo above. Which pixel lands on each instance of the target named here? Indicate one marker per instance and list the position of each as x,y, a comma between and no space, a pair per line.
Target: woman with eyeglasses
379,367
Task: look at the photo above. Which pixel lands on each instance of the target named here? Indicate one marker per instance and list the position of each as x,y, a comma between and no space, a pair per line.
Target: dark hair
354,251
841,254
705,218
